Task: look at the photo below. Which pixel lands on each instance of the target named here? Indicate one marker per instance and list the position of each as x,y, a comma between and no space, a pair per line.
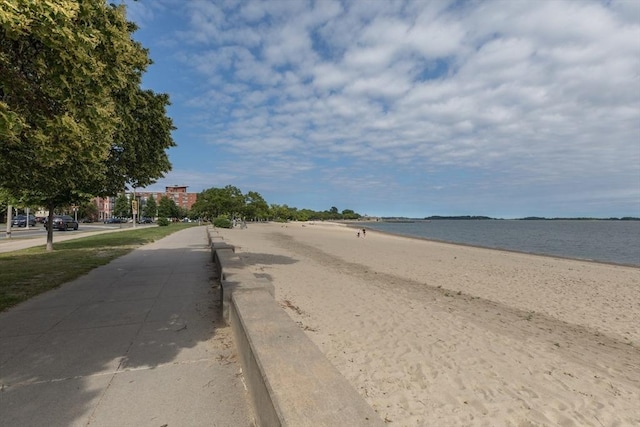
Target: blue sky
404,108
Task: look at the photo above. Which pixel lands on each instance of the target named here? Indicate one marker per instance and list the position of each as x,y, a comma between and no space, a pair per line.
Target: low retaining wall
290,381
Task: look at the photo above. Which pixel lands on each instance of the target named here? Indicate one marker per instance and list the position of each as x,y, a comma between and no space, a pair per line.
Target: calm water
608,241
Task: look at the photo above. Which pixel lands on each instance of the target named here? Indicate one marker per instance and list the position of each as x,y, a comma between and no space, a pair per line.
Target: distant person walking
364,232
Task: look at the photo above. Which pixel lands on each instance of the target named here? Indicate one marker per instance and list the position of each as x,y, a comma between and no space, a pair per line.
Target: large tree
255,206
214,202
74,122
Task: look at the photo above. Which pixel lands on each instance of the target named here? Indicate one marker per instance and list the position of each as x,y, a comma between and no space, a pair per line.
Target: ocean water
606,241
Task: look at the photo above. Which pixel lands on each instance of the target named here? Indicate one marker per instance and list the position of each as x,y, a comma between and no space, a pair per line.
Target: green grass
29,272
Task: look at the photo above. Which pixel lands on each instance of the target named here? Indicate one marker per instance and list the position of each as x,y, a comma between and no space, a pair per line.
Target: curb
290,381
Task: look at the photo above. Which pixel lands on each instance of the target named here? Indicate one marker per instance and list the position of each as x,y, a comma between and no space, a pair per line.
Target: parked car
113,221
21,221
63,222
145,220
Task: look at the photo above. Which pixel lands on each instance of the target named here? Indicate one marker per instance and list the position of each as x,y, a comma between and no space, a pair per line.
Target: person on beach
358,234
364,232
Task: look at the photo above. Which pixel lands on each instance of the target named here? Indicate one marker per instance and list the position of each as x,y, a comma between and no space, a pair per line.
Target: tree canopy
167,208
231,202
214,202
74,121
122,207
150,209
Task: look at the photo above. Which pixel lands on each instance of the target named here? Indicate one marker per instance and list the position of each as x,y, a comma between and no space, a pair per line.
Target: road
39,230
22,238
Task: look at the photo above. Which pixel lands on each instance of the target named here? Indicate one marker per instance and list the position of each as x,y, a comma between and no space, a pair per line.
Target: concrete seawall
290,381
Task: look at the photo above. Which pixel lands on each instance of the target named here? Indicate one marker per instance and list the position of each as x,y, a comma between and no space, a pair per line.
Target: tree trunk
50,229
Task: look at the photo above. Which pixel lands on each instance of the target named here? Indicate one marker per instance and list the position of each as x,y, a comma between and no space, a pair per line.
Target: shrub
222,222
163,222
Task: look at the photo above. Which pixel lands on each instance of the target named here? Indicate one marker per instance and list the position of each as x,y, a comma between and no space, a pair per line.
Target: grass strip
29,272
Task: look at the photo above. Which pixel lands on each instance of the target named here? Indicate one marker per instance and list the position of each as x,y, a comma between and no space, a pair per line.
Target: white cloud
532,92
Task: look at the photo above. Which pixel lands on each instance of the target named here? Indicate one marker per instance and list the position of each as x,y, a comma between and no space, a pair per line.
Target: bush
222,222
163,222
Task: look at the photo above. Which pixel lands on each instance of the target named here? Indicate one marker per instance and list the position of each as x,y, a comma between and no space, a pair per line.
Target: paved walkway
137,342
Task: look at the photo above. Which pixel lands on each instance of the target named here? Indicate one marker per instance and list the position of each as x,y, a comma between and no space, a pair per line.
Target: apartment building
177,193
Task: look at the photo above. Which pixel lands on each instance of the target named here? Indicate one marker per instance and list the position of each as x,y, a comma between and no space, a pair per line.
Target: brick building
178,194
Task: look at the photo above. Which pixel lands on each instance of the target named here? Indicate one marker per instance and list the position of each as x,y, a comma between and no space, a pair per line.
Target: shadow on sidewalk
135,332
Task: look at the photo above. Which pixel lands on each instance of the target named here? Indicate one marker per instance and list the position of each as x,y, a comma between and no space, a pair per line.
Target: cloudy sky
503,108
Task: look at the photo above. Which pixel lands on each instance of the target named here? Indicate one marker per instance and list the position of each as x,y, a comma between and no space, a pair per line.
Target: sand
433,334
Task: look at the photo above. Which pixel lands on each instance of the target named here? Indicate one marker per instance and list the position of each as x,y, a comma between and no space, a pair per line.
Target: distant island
537,218
480,217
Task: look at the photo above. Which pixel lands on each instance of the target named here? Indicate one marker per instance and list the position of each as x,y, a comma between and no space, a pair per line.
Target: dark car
145,220
63,222
21,221
113,221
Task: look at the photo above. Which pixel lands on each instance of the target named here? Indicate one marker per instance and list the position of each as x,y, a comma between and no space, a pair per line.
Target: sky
506,108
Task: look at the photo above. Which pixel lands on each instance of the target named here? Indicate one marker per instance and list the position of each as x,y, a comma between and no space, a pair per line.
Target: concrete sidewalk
138,342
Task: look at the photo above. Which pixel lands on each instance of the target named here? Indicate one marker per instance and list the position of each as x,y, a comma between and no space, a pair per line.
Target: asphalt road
39,230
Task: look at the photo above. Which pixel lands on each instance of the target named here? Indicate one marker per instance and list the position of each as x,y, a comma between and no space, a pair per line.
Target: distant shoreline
359,225
483,218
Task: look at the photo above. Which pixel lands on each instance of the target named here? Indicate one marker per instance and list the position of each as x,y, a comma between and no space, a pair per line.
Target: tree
5,200
122,207
88,210
234,200
284,212
307,215
214,202
137,155
150,209
167,208
255,206
74,122
349,214
208,203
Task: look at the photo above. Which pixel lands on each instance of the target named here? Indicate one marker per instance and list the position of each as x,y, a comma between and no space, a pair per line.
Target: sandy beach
433,334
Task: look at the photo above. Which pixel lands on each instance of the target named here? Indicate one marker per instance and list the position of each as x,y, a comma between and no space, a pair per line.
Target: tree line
74,120
163,207
231,202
